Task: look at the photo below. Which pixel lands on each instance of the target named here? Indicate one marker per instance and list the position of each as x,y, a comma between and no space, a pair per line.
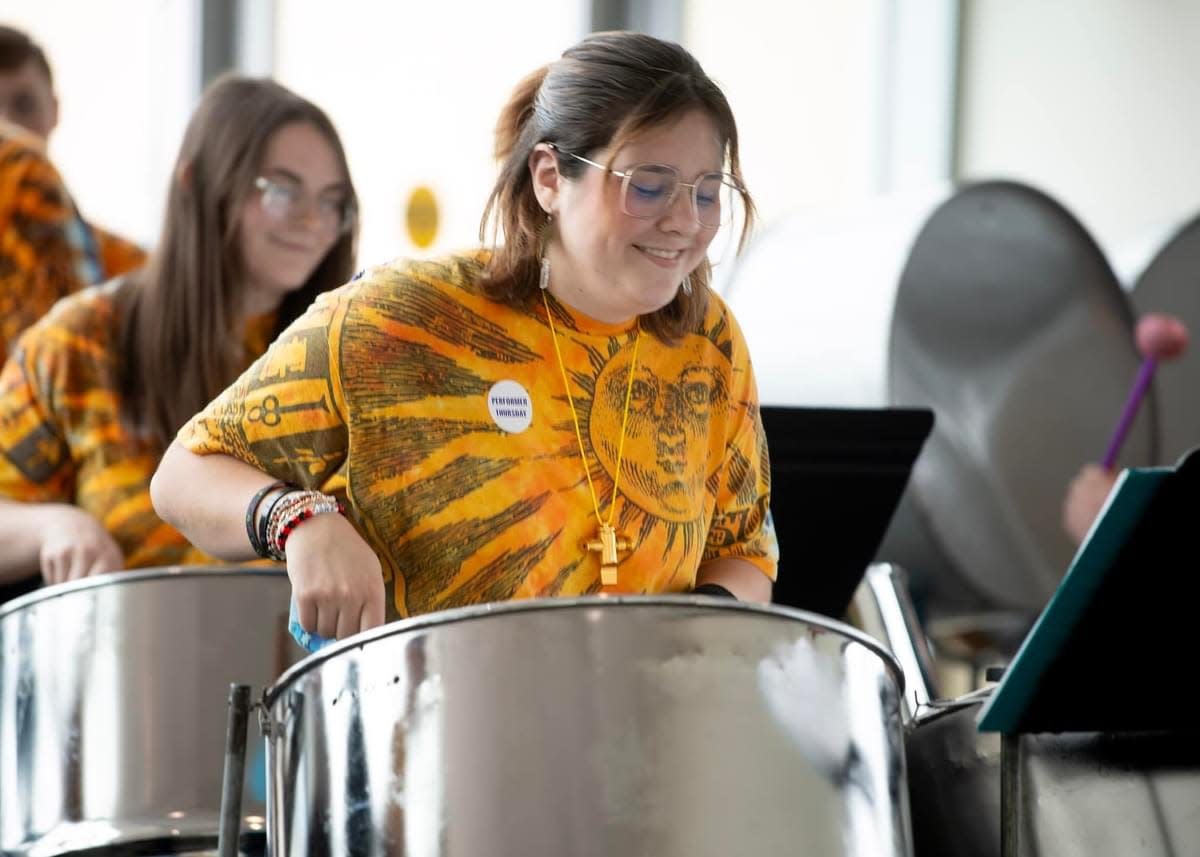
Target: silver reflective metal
883,609
113,705
1080,795
663,726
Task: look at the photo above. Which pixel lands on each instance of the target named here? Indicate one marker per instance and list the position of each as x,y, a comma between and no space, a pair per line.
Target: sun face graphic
666,437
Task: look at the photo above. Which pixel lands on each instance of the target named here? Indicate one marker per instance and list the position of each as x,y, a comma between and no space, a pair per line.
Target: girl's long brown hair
602,93
181,342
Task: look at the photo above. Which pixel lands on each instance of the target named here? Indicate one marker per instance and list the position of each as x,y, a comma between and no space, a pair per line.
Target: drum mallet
1159,338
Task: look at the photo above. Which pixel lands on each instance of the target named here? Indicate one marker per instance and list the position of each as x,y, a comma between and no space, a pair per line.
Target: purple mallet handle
1136,393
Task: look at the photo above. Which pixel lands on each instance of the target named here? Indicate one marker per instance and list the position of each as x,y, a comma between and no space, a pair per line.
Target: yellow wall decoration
421,217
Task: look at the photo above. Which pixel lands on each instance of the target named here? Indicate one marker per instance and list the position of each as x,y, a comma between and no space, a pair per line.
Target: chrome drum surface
113,698
636,726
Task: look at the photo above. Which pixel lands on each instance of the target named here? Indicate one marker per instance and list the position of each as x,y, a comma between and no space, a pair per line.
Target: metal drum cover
1171,284
663,726
113,698
1010,323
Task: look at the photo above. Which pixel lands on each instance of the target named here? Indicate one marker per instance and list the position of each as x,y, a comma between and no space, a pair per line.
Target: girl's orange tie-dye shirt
440,416
61,436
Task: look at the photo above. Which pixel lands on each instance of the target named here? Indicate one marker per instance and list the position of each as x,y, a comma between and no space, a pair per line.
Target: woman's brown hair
181,344
602,93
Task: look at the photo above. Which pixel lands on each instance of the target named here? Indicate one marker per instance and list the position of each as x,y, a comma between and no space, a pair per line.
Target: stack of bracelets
268,530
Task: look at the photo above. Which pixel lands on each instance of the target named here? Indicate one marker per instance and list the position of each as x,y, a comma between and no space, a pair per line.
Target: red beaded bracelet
294,521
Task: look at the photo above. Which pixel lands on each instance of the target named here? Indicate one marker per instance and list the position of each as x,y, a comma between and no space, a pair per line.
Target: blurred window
127,76
415,90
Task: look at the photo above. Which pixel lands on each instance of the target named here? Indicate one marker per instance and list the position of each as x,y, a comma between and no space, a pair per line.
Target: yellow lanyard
607,543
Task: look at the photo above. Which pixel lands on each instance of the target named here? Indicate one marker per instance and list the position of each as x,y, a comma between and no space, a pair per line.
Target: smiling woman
301,206
626,239
94,393
569,411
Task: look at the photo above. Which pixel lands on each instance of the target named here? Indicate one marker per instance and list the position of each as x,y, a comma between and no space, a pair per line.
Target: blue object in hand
309,642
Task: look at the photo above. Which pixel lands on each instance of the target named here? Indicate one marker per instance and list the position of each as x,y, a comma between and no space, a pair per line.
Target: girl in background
260,219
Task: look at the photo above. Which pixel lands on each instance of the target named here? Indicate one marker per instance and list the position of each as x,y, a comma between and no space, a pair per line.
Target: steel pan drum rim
113,578
484,611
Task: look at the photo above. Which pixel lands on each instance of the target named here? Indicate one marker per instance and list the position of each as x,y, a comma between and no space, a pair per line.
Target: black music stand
1107,652
836,478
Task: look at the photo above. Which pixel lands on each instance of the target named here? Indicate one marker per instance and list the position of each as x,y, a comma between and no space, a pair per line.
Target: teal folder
1113,628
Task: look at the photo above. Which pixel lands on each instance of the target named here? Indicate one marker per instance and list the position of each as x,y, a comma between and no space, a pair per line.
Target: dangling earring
686,285
544,276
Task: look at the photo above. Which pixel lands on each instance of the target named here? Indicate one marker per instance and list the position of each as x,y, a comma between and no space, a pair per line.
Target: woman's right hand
337,580
76,545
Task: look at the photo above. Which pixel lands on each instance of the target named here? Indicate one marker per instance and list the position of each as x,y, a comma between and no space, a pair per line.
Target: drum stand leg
235,770
1010,795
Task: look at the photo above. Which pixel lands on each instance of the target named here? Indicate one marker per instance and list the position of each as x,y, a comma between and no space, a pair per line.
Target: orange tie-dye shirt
47,251
440,416
117,255
61,436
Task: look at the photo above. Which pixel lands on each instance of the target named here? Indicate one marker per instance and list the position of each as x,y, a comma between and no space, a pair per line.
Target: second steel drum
113,706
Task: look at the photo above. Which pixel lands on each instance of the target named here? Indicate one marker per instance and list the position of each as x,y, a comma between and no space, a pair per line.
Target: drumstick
1159,337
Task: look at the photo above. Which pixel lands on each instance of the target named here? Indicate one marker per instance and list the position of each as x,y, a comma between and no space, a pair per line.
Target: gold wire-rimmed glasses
649,191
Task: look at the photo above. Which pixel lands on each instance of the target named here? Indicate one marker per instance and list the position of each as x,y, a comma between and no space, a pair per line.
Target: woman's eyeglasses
649,190
284,200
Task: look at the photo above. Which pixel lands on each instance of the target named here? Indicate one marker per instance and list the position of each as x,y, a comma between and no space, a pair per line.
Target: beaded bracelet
299,518
285,516
280,511
294,515
264,519
252,531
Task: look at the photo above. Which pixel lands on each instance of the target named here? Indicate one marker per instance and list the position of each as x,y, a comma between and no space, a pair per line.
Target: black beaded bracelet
264,520
714,589
251,530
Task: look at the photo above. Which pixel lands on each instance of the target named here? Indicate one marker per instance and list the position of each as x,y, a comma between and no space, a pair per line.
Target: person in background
572,411
26,84
44,253
260,219
27,101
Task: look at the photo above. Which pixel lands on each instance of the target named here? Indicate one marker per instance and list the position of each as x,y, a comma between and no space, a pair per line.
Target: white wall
845,112
415,90
802,81
1094,102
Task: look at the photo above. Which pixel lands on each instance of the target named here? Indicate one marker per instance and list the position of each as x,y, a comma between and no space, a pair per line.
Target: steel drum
663,726
814,296
1085,793
113,706
1011,325
883,609
1171,284
1080,794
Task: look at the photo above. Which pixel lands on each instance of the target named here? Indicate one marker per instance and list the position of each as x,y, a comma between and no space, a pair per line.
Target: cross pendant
609,545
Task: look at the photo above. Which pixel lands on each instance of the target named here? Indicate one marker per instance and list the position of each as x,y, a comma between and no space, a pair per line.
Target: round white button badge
510,406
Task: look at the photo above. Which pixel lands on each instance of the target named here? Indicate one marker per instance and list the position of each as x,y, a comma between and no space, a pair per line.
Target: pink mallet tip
1161,337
